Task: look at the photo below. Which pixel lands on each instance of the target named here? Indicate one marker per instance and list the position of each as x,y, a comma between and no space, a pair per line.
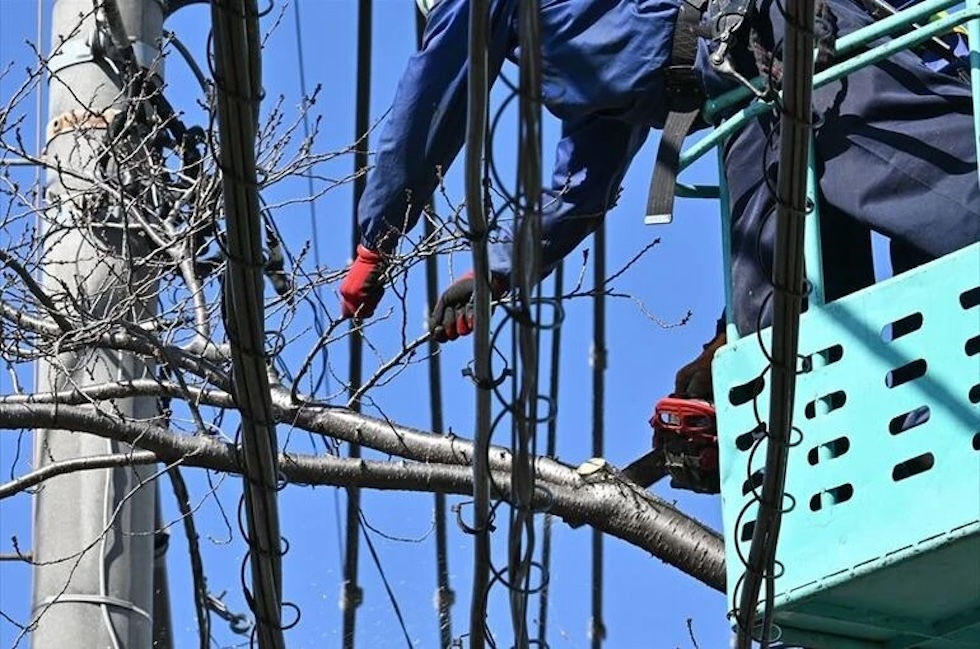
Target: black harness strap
685,97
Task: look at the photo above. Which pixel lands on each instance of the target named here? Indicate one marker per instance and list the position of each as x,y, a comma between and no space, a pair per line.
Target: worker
894,145
896,153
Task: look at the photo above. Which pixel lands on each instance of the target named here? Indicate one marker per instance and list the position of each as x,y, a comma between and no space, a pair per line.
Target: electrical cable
352,593
237,73
598,355
523,319
788,284
526,273
107,512
189,59
476,133
38,116
551,449
197,567
384,580
444,593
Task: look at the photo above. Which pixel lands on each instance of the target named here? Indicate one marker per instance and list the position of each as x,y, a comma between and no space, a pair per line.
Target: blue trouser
896,154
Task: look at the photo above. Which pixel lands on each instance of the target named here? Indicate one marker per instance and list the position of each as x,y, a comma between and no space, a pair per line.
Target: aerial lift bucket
879,543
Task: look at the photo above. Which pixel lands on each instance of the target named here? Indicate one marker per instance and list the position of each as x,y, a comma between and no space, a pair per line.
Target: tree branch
609,503
38,476
36,290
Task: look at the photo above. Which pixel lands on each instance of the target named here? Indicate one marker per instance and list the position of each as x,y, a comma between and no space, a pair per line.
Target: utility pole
93,530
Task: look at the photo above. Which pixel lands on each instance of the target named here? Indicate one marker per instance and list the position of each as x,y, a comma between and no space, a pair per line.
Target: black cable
384,580
524,322
476,206
598,361
362,124
550,451
788,283
237,73
193,548
444,594
526,274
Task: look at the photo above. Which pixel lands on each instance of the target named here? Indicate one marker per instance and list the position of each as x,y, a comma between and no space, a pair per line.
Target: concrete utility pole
96,525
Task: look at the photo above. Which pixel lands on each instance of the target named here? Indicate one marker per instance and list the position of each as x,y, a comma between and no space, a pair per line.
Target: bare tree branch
73,465
36,290
610,503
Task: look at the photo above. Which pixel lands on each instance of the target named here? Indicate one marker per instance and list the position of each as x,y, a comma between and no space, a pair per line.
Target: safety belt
685,97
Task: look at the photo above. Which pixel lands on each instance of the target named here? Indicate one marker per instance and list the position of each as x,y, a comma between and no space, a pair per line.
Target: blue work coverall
900,127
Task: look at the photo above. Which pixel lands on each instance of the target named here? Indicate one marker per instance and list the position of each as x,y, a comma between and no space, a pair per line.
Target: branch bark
74,465
604,501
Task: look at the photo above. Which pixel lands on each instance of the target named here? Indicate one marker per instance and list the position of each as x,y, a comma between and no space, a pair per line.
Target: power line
598,354
237,73
788,280
444,594
38,110
551,449
474,165
384,580
324,375
362,109
527,272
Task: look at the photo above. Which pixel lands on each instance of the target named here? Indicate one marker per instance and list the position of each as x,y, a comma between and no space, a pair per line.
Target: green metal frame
886,565
921,12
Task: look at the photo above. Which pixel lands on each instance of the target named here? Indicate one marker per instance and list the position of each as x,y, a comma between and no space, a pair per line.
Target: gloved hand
453,314
694,379
363,285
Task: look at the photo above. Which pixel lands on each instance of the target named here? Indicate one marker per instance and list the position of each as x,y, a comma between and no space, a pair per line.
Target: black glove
693,381
453,314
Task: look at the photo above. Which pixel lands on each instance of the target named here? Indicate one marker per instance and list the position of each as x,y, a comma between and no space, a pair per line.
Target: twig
37,291
690,632
308,362
407,352
89,463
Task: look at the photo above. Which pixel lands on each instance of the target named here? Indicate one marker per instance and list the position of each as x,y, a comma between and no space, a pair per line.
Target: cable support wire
515,576
444,592
197,566
787,296
362,117
237,73
38,112
523,319
597,358
551,449
527,265
476,132
352,594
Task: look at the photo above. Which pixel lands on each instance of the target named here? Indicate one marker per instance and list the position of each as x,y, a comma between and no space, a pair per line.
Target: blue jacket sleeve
425,128
592,158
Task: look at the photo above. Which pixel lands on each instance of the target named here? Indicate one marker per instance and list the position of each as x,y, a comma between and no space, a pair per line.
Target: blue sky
647,602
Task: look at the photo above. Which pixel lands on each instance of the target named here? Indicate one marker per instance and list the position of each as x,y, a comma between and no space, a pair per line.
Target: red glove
363,285
694,379
453,314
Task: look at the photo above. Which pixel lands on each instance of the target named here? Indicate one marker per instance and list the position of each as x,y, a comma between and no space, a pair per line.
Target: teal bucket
880,543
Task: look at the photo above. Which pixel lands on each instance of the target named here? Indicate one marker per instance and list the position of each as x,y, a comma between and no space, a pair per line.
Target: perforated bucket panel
882,542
